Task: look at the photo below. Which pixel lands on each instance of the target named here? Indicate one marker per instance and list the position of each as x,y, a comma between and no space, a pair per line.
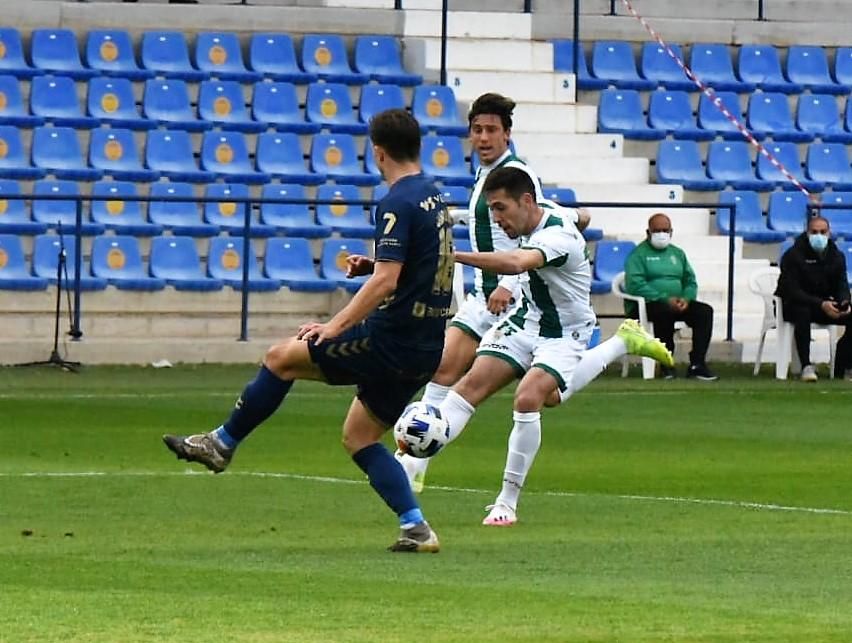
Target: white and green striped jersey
556,297
487,236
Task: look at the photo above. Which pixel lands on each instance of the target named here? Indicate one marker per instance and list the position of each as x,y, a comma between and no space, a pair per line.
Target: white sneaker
809,374
500,515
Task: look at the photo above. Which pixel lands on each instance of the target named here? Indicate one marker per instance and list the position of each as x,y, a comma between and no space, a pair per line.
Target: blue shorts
387,376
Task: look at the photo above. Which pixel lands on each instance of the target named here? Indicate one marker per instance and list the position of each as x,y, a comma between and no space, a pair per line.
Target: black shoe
668,372
701,372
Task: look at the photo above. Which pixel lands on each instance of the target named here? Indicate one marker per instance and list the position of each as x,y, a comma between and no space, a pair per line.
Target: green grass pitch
657,511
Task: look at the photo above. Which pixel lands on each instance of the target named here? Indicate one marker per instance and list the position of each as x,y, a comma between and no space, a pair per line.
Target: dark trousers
802,317
698,316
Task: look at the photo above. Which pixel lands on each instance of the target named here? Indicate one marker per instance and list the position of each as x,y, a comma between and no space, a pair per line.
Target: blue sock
260,398
388,478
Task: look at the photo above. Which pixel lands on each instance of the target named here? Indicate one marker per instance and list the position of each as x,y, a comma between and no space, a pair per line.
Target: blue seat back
613,61
117,257
111,98
54,96
610,257
226,213
843,65
219,52
222,101
435,105
279,213
787,154
456,196
61,211
443,154
173,213
670,111
110,51
13,263
680,160
788,212
334,254
748,212
57,148
621,109
11,99
760,64
329,103
829,162
769,112
339,213
711,118
334,154
560,195
225,152
711,62
656,64
729,161
807,65
175,257
13,147
272,53
46,255
378,98
169,151
280,152
12,47
116,209
55,49
274,102
113,149
818,114
12,210
165,51
225,259
289,258
325,54
563,58
378,55
167,100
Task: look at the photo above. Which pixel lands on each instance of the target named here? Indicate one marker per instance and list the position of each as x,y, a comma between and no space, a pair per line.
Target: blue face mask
819,242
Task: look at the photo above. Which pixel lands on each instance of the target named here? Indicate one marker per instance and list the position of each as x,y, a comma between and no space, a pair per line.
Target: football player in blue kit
387,340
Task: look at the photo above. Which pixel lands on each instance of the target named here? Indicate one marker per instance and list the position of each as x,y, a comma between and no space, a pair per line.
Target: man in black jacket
814,289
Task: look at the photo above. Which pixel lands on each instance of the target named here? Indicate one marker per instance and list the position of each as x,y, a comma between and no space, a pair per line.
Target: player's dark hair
398,133
513,180
491,103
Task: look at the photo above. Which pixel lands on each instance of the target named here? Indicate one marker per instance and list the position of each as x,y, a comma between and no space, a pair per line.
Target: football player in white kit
544,337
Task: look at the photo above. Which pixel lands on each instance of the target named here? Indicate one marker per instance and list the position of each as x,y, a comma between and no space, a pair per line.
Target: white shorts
524,349
473,317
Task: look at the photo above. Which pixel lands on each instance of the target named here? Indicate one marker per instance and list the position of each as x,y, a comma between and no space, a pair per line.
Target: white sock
524,441
593,363
434,394
457,411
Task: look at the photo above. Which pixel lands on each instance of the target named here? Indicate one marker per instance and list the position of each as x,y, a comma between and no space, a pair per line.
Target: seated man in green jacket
660,272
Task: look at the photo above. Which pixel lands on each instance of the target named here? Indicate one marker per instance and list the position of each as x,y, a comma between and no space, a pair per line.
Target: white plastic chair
648,364
763,282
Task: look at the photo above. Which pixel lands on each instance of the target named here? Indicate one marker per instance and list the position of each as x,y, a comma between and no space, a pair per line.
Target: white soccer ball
421,431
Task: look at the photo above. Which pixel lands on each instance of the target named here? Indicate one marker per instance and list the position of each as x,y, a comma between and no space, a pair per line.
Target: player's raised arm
512,262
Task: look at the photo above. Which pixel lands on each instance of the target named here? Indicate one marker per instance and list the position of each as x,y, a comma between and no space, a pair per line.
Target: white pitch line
740,504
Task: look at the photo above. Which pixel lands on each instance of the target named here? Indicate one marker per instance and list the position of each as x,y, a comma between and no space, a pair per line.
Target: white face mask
660,240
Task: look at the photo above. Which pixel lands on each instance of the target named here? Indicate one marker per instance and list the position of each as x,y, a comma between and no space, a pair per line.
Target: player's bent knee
530,401
286,358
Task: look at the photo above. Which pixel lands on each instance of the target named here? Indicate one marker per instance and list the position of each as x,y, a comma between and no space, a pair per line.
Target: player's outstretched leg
524,442
640,342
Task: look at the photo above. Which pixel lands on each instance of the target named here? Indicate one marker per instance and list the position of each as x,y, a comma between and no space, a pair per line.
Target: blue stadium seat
14,161
750,224
808,66
769,114
274,55
333,261
325,56
119,260
819,115
54,98
226,154
166,102
113,151
335,156
57,150
370,162
46,248
671,112
14,271
788,155
613,61
225,262
455,196
13,110
788,212
560,195
761,66
55,50
111,102
443,158
378,98
229,216
680,162
176,260
221,102
61,213
278,105
381,59
169,152
280,155
293,219
843,66
656,65
713,120
846,249
829,163
731,161
620,111
14,213
468,274
343,218
379,193
434,107
290,261
166,54
839,218
118,214
181,217
609,261
329,105
12,60
220,55
711,62
563,61
110,52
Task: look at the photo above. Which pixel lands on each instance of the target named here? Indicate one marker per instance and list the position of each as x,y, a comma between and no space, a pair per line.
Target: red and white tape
717,102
